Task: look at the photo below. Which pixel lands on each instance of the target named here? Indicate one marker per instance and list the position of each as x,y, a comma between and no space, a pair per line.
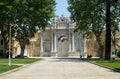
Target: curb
13,70
104,66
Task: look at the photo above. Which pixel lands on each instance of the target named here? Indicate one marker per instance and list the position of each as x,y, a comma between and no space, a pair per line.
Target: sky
61,8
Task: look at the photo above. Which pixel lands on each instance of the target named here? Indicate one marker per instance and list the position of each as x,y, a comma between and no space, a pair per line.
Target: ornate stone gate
58,39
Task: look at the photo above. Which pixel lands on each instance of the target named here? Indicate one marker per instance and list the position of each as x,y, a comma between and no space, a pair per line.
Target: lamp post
11,25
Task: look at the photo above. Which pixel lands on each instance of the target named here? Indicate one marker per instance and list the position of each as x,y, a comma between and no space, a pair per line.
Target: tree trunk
101,50
108,32
22,51
22,45
5,50
101,47
114,42
5,47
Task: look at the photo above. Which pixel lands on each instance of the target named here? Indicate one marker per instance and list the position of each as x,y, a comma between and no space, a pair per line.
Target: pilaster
52,47
55,46
73,42
70,46
41,53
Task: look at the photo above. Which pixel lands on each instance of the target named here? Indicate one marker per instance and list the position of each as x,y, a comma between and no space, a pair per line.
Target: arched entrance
63,46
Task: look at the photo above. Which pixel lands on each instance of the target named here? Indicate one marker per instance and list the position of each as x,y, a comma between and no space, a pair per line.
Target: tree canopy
90,17
29,15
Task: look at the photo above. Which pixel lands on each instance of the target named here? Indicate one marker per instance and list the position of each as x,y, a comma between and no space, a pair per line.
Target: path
62,69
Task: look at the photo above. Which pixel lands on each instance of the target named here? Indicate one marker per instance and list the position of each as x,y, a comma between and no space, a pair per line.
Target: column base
74,54
41,53
71,51
53,51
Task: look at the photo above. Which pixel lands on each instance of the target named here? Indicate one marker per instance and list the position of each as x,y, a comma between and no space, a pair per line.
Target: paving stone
53,68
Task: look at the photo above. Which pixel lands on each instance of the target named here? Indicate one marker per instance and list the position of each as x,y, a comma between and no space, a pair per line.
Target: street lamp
15,28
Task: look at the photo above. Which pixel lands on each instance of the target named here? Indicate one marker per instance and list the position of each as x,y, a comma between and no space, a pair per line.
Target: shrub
89,56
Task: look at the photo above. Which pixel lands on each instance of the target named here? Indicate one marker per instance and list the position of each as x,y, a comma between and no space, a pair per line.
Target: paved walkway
52,68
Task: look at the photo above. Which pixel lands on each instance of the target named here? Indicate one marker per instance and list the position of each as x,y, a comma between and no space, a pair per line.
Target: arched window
62,38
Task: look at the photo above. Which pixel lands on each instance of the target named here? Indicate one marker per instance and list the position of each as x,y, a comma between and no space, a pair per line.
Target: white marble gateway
59,39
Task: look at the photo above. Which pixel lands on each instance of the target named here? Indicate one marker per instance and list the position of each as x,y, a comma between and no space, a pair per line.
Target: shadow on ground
67,60
116,70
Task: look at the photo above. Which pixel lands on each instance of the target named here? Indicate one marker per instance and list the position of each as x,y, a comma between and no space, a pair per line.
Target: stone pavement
54,68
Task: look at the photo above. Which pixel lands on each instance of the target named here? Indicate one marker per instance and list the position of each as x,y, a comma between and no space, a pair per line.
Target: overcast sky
61,8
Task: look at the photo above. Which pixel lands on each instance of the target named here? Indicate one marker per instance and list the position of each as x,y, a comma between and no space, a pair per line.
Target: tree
115,23
108,27
90,19
30,16
5,20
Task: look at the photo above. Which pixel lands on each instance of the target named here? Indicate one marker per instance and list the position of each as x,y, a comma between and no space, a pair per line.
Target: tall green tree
115,19
89,17
108,27
29,15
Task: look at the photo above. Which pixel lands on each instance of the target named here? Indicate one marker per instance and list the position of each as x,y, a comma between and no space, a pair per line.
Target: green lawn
4,68
113,64
20,61
15,63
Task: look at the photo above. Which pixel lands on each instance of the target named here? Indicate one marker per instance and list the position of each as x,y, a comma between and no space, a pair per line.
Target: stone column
69,41
73,42
85,47
51,42
41,44
55,43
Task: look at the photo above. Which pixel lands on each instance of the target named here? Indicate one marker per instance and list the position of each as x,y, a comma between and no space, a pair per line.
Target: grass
112,64
20,61
15,63
5,68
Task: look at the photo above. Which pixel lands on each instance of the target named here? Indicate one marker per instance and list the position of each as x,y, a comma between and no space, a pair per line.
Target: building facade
59,39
